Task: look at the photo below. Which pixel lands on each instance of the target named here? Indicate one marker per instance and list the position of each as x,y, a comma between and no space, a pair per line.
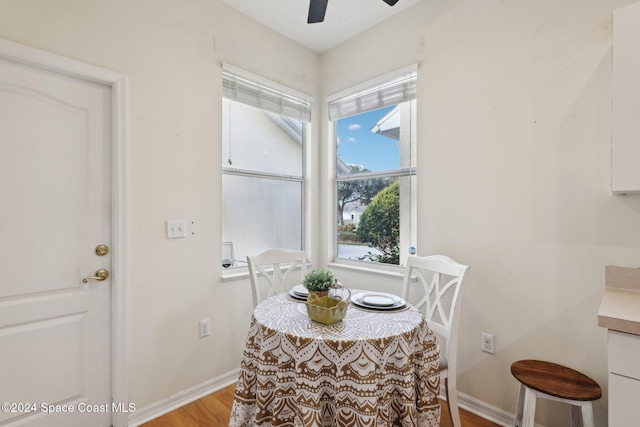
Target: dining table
376,367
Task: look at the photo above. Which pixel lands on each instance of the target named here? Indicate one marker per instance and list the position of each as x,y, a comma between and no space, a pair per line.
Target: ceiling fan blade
317,9
390,2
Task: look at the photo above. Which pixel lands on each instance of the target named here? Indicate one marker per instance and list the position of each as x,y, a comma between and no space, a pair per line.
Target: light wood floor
214,411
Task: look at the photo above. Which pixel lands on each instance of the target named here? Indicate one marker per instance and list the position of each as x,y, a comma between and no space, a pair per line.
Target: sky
358,145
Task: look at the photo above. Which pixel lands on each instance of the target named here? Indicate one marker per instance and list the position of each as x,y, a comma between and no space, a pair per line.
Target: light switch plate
176,229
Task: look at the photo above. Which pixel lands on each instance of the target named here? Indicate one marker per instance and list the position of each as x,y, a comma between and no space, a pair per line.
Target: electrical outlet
205,328
487,343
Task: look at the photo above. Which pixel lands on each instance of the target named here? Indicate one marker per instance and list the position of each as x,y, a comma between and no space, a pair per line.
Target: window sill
354,266
235,274
386,270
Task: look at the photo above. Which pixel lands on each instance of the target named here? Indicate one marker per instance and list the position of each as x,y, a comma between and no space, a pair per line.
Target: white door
55,209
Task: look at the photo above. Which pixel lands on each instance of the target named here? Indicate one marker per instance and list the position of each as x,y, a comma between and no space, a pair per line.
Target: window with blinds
264,129
400,89
375,178
258,95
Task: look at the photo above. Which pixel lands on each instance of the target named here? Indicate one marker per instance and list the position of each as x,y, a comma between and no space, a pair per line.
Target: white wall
514,129
513,149
171,51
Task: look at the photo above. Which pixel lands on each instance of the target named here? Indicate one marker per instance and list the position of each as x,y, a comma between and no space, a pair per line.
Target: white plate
297,296
378,300
300,291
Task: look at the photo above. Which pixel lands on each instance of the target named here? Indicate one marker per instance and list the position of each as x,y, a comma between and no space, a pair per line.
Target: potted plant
321,306
318,281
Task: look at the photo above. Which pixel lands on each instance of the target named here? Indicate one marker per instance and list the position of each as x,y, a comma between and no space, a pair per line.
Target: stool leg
520,406
582,415
576,416
529,412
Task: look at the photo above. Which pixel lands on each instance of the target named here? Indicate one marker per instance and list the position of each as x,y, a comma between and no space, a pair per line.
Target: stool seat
556,380
548,380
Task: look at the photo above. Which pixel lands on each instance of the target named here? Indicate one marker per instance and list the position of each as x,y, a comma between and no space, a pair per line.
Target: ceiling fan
317,9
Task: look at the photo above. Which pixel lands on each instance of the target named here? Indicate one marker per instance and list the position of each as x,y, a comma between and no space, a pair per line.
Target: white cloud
354,126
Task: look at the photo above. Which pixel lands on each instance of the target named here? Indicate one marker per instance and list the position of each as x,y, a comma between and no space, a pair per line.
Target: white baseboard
482,409
164,406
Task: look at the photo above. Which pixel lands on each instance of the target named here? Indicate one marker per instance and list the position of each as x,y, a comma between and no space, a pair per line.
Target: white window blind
382,92
257,94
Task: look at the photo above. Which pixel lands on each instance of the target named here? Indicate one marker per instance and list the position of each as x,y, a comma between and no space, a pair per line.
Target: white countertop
620,310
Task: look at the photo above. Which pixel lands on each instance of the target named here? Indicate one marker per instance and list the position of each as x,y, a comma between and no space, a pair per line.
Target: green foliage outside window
380,225
357,191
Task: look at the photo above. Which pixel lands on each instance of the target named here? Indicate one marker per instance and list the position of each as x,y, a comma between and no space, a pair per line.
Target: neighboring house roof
291,126
343,168
389,125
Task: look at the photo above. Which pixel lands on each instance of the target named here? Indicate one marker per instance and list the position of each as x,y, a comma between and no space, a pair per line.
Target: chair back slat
279,269
439,285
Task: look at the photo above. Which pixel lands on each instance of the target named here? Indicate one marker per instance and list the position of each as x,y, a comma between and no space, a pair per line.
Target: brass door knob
101,275
102,250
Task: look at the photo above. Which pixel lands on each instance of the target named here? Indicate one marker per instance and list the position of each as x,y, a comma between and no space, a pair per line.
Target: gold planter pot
325,309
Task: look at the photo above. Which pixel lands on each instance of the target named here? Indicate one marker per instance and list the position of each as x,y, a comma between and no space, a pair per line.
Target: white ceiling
344,18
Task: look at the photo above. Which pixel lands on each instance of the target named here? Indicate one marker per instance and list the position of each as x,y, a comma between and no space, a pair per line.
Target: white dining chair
436,282
279,269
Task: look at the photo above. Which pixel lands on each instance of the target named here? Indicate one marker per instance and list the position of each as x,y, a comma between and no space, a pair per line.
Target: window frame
410,172
295,105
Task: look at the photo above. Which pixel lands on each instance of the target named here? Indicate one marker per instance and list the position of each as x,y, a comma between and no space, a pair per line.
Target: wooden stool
555,382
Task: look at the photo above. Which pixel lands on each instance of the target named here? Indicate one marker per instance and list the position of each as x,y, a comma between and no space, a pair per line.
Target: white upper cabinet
625,153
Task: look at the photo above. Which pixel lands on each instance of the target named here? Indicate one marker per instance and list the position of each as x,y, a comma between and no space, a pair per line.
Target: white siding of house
259,141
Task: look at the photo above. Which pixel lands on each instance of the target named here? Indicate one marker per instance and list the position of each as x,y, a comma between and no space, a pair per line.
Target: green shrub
380,225
348,237
346,227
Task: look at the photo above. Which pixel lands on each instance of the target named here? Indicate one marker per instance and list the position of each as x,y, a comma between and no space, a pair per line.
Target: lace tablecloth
374,368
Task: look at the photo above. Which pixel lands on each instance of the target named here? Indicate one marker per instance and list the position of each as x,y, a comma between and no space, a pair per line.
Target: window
375,129
263,152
